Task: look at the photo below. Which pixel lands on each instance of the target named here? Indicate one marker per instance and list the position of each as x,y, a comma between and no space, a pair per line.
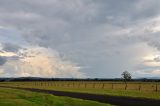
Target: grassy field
134,89
136,86
13,97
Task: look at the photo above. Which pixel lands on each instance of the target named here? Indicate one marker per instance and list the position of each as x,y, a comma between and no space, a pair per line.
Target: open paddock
135,86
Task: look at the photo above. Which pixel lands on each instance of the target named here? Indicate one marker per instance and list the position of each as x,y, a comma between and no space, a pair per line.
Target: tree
126,76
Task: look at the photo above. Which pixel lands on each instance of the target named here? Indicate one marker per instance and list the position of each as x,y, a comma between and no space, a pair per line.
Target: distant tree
126,76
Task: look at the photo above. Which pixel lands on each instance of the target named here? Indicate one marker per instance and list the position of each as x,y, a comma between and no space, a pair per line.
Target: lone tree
126,76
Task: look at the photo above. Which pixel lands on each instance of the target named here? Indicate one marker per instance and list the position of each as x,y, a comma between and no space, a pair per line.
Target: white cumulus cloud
43,62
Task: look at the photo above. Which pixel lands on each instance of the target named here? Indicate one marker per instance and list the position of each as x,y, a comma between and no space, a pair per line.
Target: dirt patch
114,100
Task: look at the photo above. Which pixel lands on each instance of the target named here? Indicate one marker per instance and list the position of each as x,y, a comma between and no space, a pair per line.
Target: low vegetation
14,97
134,89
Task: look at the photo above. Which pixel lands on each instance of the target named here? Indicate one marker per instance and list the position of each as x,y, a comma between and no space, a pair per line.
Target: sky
79,38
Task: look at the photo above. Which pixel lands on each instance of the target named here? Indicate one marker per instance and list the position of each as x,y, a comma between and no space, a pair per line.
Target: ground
13,97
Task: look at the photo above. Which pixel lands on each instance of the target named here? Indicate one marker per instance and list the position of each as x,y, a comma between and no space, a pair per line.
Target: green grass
147,88
14,97
128,93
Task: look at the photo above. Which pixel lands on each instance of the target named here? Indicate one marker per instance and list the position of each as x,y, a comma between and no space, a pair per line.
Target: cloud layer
92,38
30,60
42,62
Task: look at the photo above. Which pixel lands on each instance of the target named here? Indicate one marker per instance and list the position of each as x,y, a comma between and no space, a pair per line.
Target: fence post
103,86
85,85
156,87
112,85
125,85
78,85
94,85
139,88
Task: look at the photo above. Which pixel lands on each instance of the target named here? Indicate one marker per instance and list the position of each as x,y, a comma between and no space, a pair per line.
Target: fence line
98,85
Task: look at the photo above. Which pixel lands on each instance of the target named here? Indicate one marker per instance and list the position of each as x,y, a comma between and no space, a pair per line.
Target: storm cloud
2,60
10,47
102,37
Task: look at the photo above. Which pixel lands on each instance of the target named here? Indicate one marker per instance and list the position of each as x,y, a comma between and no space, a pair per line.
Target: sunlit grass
13,97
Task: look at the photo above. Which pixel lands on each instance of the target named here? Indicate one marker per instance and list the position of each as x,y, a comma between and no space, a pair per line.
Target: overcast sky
79,38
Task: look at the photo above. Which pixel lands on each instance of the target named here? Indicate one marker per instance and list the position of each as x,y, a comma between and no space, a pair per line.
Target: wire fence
137,86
